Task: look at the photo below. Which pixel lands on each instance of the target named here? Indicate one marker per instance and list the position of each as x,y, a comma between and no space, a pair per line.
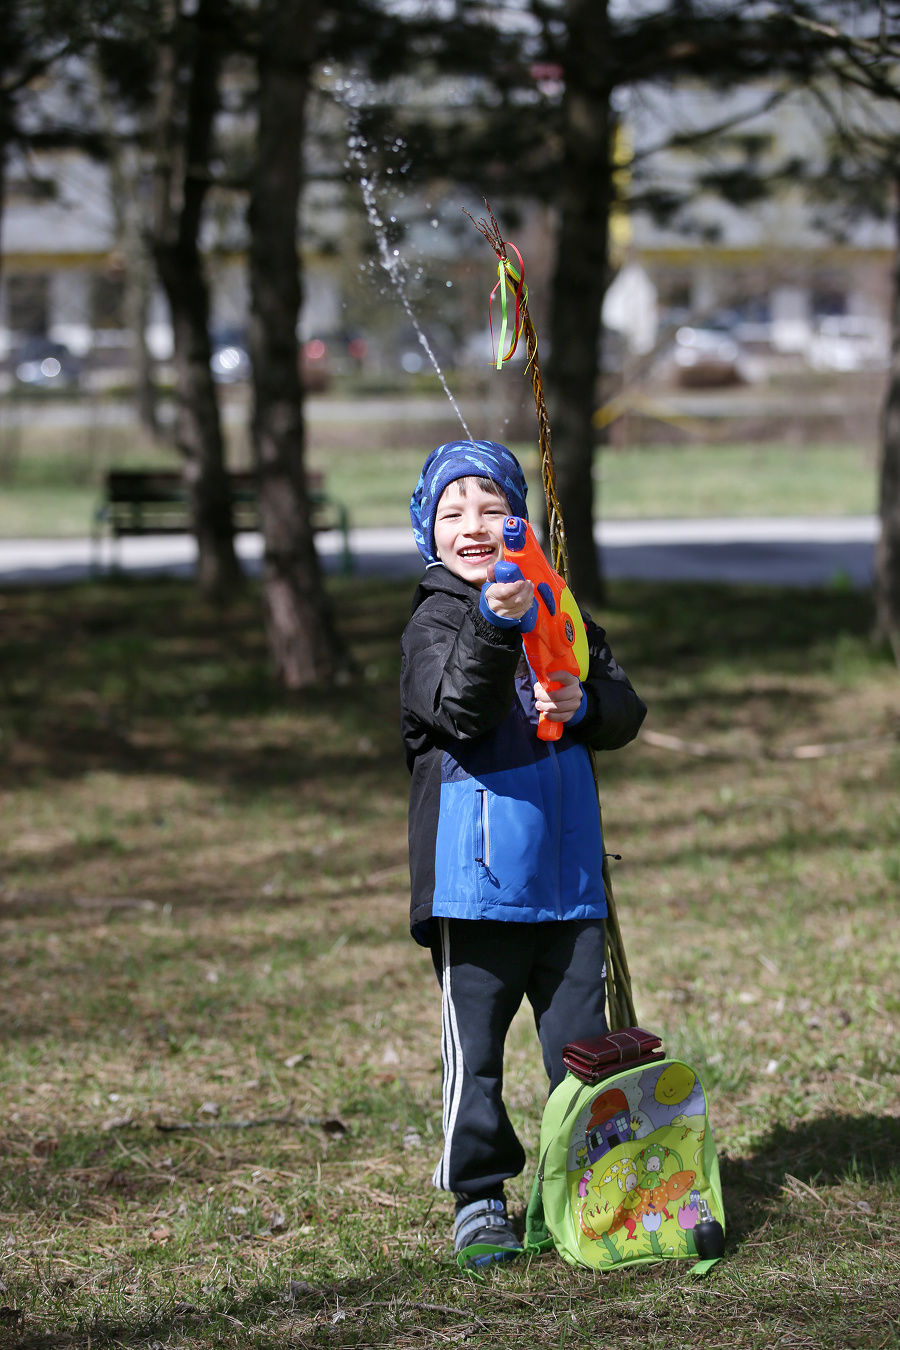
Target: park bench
155,501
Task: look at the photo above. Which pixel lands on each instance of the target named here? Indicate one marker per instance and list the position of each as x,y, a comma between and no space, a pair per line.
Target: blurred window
27,296
107,300
827,303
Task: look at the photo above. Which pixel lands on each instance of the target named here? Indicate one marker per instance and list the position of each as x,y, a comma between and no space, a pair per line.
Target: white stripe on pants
452,1060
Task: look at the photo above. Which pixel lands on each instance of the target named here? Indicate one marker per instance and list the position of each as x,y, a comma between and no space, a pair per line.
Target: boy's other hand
559,705
509,599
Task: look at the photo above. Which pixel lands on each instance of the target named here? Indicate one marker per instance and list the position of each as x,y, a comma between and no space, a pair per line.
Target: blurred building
725,292
794,278
63,278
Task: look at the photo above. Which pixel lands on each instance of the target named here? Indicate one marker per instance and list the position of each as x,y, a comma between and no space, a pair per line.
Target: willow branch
557,531
620,1001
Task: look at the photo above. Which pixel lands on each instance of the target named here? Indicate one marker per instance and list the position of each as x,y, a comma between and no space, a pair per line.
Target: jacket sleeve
614,711
457,674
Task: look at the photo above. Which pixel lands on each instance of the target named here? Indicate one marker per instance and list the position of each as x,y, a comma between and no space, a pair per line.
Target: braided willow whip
618,979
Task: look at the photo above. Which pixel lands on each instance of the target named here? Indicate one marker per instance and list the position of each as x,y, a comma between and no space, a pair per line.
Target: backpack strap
537,1234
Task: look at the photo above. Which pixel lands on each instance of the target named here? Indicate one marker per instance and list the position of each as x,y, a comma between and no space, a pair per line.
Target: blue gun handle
507,571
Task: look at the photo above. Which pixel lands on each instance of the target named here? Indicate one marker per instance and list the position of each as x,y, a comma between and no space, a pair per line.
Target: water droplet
393,218
434,224
449,284
397,255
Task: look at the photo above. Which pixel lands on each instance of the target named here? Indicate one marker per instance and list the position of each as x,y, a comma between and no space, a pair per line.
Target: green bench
155,501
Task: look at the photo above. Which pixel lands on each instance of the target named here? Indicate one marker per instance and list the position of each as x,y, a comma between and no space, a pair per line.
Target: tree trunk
7,132
138,291
887,557
182,178
302,640
131,231
580,280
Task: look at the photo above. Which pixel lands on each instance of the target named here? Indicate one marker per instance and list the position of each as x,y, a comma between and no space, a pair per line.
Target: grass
646,481
203,912
737,480
52,485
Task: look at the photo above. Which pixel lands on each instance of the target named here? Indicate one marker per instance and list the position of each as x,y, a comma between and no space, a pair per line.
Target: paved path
781,551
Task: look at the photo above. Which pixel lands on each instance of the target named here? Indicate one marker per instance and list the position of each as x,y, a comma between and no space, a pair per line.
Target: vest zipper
483,853
485,829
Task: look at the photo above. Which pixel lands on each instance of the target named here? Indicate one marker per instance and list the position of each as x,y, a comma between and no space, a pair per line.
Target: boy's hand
509,599
559,704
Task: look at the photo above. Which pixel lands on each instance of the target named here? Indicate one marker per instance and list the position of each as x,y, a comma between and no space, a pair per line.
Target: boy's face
468,531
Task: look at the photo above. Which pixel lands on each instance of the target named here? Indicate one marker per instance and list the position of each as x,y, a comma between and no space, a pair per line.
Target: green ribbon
514,280
504,317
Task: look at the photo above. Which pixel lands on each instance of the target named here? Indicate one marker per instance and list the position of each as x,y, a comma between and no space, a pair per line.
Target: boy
504,829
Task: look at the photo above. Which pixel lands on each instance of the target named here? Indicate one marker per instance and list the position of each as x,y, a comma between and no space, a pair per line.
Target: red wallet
597,1057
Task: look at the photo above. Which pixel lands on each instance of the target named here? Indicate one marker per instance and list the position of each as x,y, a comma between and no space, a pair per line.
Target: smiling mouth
476,552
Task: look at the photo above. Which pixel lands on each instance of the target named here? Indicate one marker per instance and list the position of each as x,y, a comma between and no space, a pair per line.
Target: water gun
553,630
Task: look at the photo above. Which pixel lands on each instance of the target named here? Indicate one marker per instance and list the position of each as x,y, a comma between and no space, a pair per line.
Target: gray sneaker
485,1224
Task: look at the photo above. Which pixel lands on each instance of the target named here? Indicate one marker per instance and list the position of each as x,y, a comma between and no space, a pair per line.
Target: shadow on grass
87,667
77,1167
426,1296
827,1151
772,629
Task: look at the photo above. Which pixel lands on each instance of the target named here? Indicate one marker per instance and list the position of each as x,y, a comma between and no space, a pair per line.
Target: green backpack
628,1169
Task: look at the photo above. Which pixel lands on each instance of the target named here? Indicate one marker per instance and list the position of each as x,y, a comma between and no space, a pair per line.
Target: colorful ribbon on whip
514,281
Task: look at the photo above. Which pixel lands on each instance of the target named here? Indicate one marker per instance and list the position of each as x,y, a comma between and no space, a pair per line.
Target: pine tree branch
845,40
684,140
38,65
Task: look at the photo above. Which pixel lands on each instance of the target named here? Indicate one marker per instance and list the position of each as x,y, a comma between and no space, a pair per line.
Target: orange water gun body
553,632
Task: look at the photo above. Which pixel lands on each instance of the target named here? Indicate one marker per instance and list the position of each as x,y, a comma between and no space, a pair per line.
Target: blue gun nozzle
513,532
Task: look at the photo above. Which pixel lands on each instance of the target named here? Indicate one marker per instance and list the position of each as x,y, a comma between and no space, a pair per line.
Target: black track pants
484,968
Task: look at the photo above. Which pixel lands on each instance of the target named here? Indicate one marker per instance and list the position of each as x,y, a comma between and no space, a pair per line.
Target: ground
219,1048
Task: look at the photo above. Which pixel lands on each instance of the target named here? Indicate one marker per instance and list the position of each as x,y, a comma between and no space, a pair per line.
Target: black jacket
501,824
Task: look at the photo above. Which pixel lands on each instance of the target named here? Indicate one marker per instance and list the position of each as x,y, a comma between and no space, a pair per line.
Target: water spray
391,259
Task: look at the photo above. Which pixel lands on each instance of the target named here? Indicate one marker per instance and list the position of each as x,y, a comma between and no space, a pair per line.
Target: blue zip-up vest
518,834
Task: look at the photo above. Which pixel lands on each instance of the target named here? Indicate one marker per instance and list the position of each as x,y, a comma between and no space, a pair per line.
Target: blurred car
42,364
849,342
229,363
315,370
706,358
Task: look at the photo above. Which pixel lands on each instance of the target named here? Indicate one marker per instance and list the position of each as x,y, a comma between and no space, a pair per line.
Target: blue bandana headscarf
462,459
